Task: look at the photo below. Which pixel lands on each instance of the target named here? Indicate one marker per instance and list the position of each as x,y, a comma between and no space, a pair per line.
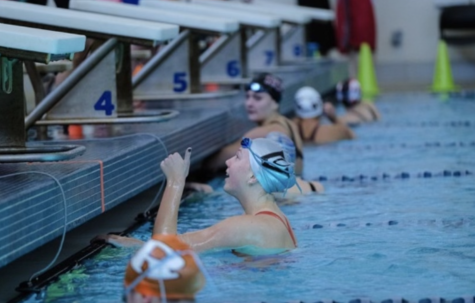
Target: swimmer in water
288,147
263,95
163,269
349,94
310,109
257,170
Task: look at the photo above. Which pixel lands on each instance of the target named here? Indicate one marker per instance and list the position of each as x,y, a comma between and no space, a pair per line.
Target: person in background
310,109
263,95
349,94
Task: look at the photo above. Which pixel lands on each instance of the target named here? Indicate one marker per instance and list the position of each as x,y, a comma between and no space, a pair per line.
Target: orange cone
211,87
75,132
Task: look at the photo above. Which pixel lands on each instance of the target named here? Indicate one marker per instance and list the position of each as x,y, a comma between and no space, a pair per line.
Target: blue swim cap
268,163
287,145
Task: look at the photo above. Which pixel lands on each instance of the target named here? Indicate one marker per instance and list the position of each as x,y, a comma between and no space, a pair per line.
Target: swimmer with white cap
310,109
263,95
349,94
257,170
164,269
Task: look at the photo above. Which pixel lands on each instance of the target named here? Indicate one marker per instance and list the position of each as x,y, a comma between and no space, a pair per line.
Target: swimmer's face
259,106
238,172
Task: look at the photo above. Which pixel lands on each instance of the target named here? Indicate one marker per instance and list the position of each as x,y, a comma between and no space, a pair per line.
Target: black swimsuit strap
312,135
314,132
312,187
301,132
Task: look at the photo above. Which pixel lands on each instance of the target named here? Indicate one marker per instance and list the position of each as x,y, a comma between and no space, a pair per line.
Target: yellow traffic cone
443,81
366,74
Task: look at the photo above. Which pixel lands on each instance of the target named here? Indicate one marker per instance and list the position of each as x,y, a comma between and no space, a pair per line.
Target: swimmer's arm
339,130
349,133
217,161
330,113
234,232
176,170
375,111
263,131
349,119
119,241
334,132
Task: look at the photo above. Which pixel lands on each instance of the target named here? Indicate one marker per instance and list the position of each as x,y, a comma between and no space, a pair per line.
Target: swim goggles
256,87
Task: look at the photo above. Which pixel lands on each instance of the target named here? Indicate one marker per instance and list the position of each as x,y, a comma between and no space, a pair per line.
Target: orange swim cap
167,258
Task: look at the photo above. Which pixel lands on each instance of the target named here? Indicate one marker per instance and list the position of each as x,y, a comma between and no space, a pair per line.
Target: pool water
375,238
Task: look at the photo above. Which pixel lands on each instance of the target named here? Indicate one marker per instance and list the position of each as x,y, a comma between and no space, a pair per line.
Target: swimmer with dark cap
256,170
349,94
310,109
263,95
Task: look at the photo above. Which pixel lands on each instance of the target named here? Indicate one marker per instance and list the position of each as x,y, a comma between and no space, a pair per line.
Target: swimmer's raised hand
329,111
175,167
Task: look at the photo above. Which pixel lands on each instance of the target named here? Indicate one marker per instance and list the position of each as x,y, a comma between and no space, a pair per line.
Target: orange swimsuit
286,223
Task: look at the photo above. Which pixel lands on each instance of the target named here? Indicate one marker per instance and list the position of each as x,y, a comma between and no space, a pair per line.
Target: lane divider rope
402,175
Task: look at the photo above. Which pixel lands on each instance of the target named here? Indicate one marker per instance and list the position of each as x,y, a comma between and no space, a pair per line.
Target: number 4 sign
105,103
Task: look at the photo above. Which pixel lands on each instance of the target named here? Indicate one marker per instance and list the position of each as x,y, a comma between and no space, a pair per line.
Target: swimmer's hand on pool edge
199,187
330,112
118,241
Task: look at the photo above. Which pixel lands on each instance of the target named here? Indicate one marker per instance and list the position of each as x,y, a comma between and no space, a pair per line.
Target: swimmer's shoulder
264,130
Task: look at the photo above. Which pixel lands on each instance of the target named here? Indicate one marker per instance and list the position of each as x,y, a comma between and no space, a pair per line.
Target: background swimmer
256,171
349,94
263,95
310,109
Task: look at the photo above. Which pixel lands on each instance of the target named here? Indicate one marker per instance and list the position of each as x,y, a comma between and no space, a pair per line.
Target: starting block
18,45
292,37
261,49
178,68
99,90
